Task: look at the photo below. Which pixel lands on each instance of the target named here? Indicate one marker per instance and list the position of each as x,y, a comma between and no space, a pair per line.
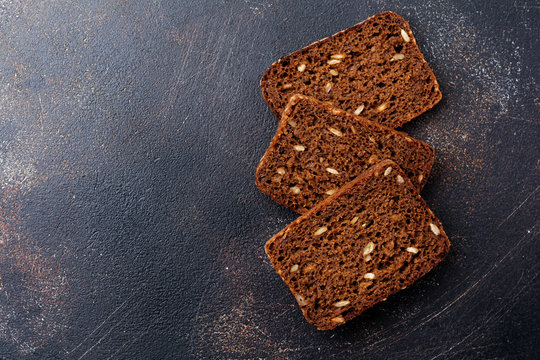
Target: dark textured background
130,225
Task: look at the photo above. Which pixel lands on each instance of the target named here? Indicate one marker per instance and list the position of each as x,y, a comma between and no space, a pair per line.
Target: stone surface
130,223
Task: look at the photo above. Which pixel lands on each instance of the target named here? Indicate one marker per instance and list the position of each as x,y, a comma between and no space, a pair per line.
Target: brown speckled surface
130,224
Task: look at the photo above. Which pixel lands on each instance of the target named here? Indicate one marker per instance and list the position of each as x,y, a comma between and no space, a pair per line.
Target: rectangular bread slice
318,148
374,68
372,238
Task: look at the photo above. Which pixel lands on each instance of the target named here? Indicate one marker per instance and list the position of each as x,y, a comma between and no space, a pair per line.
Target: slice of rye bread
318,148
372,238
374,68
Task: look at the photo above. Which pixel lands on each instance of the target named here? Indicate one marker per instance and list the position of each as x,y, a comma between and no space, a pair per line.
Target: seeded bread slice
374,68
318,148
372,238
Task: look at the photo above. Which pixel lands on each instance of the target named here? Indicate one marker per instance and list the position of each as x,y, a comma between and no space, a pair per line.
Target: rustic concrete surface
130,225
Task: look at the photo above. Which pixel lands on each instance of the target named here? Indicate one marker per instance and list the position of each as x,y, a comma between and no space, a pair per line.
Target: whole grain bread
370,239
318,148
374,68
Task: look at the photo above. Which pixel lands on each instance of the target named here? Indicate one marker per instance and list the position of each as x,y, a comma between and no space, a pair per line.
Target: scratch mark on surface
475,283
100,325
294,350
519,206
41,114
284,312
109,331
187,52
490,317
210,273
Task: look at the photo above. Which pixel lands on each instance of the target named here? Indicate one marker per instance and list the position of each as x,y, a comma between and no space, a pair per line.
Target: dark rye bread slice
372,238
374,68
318,148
